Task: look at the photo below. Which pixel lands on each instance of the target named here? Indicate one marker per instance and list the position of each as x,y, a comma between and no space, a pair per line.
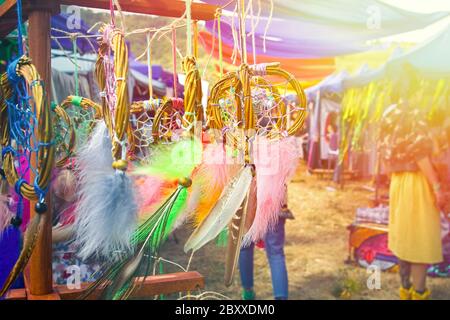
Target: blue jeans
274,245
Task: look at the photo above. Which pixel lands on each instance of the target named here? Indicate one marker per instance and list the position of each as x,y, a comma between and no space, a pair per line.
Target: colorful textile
304,69
65,263
322,28
414,220
405,138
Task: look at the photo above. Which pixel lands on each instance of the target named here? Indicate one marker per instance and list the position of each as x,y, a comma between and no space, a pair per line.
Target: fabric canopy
331,84
322,28
61,41
431,59
304,69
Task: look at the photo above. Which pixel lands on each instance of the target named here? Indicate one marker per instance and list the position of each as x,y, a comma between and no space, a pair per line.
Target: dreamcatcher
155,122
26,134
173,162
107,208
249,113
83,113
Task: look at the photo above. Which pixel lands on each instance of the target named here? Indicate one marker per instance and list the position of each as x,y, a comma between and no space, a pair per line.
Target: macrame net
61,136
274,104
83,121
142,123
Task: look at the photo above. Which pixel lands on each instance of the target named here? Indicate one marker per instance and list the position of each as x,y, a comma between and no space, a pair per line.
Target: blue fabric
274,246
10,242
63,22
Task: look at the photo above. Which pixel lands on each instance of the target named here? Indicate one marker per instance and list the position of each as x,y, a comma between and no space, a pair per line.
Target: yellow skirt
414,220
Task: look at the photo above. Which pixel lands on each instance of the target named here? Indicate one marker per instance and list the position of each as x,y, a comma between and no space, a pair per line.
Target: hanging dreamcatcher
27,148
248,112
83,113
174,164
107,209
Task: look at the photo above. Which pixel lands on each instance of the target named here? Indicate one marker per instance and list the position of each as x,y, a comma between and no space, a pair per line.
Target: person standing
274,246
416,197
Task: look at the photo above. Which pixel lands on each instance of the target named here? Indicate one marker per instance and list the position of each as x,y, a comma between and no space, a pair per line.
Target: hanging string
242,31
253,32
219,34
189,28
111,12
266,29
75,58
236,39
149,66
174,57
213,47
195,39
19,27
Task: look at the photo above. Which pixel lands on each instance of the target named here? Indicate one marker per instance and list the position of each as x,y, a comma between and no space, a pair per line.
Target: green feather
148,239
222,238
173,161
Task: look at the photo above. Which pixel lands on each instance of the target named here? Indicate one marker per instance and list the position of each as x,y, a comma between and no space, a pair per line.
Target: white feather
106,214
221,214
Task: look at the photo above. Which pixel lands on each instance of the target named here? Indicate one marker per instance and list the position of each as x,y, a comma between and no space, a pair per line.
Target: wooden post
40,265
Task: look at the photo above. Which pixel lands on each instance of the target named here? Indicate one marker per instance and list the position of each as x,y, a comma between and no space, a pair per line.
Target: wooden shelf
163,8
150,287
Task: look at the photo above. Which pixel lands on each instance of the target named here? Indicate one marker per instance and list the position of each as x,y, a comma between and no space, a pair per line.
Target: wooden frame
151,286
165,8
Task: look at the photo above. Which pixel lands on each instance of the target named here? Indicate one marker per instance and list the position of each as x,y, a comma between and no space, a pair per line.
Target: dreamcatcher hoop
170,108
46,151
67,147
236,80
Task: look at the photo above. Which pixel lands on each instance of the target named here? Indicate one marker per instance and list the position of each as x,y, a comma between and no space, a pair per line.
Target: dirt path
316,248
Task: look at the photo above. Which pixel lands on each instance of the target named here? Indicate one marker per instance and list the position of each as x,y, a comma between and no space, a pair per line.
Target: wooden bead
120,165
185,182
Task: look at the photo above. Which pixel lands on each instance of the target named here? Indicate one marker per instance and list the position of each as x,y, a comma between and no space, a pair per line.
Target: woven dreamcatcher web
83,122
142,125
169,125
63,136
270,107
73,121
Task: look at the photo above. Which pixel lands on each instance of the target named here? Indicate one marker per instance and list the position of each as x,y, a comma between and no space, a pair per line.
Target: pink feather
151,192
5,214
276,162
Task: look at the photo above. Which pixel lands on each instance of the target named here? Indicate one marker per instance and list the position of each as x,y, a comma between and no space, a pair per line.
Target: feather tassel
107,211
222,212
276,162
173,161
30,239
5,214
209,179
118,281
235,233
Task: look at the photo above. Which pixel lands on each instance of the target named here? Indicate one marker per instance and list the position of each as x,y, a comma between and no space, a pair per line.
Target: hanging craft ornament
83,113
173,161
252,116
120,280
20,127
107,209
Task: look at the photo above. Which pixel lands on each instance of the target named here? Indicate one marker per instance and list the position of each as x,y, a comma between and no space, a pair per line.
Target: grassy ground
316,249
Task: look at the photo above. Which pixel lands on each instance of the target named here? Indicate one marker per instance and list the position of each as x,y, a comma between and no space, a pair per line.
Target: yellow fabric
420,296
414,220
405,294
